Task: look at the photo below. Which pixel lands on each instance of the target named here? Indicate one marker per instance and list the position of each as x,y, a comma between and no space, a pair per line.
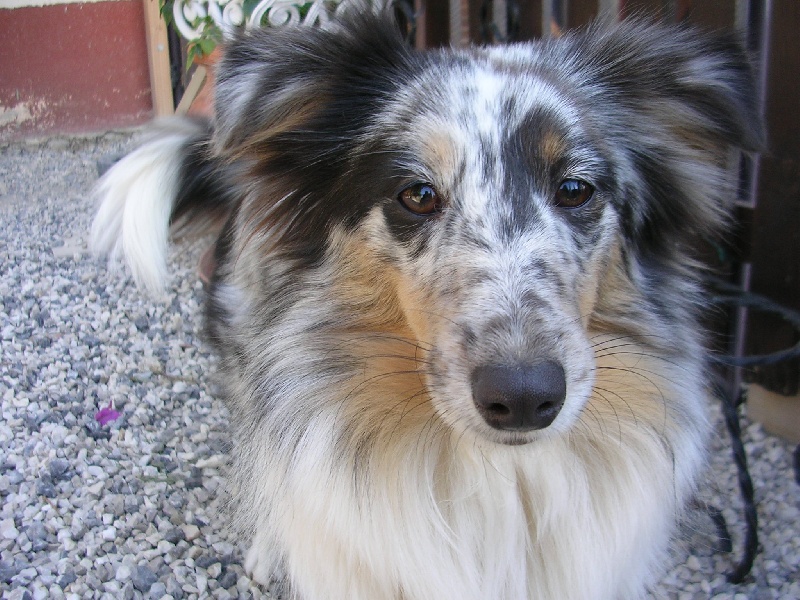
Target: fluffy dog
454,299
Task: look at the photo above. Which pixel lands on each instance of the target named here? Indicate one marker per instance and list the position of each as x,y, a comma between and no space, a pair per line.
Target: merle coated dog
454,298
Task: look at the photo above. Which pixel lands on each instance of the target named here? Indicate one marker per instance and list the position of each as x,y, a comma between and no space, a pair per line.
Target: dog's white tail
136,199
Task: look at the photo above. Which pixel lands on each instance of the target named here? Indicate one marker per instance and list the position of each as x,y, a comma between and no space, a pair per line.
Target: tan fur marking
552,146
440,147
633,387
257,145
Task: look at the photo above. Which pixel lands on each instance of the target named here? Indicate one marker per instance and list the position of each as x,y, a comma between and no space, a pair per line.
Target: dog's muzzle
521,397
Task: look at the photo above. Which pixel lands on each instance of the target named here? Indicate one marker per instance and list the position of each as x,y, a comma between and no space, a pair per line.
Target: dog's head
496,204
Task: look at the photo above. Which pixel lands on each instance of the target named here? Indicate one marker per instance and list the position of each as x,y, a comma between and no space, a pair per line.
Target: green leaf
166,10
206,45
192,52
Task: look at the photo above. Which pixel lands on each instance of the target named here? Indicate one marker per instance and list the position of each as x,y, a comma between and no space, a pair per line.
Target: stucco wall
72,67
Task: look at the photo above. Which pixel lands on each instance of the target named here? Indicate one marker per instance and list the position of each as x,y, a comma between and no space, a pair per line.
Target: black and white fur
384,369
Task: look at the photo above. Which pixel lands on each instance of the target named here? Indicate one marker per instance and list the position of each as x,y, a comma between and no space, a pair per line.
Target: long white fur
135,199
447,516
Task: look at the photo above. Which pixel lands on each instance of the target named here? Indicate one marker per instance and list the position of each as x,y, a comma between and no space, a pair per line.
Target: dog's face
497,223
493,206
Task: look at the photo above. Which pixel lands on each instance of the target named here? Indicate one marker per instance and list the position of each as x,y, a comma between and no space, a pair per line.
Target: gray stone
143,578
174,589
175,535
36,531
7,571
157,591
227,579
67,578
18,594
59,469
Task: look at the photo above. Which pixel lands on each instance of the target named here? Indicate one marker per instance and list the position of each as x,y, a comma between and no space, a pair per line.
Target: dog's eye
573,193
421,199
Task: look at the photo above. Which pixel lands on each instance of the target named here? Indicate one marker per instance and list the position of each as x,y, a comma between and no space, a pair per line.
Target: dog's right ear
273,81
678,101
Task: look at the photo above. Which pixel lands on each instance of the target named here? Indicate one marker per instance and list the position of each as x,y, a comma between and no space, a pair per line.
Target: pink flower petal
106,414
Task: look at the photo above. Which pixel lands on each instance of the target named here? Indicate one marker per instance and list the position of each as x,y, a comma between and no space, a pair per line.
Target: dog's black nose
519,398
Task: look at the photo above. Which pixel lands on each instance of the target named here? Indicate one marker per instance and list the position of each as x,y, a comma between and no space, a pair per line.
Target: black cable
731,295
727,294
745,488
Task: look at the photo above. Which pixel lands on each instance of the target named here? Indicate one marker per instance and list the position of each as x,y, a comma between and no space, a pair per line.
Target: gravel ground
133,508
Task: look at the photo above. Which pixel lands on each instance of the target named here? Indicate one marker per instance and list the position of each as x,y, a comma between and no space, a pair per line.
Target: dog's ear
678,101
689,82
274,81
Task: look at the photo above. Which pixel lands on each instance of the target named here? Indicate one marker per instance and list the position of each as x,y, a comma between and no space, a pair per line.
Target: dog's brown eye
421,199
573,193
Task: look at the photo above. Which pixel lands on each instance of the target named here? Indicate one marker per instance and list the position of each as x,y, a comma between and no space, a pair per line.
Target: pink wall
72,68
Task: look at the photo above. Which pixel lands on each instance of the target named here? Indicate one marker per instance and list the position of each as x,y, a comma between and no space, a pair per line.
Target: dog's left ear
688,82
678,100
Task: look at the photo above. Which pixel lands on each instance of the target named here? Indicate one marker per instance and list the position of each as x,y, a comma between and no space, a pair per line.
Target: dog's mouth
516,441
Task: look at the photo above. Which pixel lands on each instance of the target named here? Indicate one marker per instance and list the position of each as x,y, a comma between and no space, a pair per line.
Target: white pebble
8,530
123,573
192,532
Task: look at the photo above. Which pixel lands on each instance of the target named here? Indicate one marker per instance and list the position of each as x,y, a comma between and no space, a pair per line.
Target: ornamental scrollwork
192,18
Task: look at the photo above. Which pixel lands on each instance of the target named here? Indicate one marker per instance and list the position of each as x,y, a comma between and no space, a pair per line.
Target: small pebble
123,573
143,578
191,532
8,529
59,468
175,535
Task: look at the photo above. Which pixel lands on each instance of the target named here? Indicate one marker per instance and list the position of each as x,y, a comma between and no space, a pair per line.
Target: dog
455,298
